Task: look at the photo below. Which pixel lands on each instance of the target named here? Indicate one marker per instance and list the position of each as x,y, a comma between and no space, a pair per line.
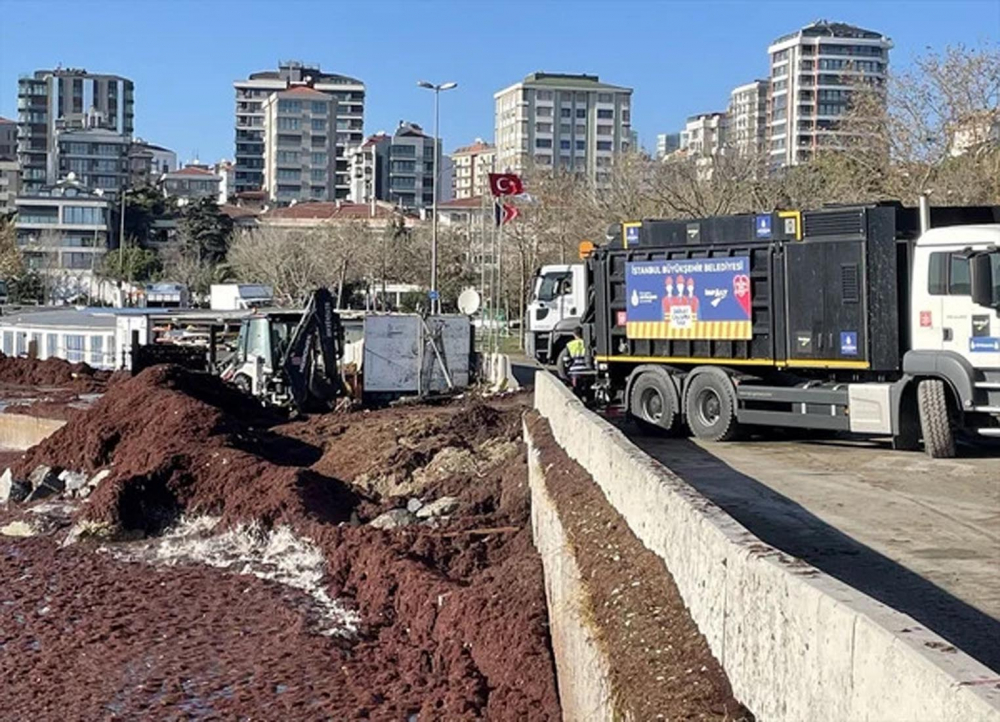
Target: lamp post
435,296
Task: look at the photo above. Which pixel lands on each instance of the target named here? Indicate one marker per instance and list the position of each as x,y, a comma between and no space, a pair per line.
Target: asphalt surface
920,535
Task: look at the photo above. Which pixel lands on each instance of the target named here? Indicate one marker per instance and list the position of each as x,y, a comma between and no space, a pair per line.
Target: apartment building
562,121
300,145
8,138
193,182
472,167
667,143
747,118
64,230
10,183
51,102
704,135
97,157
251,94
411,167
369,169
148,162
813,74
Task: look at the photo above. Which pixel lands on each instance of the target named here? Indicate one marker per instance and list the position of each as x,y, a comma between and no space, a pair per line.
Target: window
948,275
403,182
581,130
581,112
288,123
289,106
51,345
543,142
565,128
543,112
544,95
83,215
36,338
22,343
564,145
543,159
604,130
604,145
319,107
403,166
319,124
97,350
565,112
408,151
605,114
288,174
318,158
581,145
293,140
8,342
74,347
288,156
543,127
317,174
604,97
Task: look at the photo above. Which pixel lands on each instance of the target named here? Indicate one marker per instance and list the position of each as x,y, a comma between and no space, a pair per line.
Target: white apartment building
562,121
472,167
300,146
747,118
813,73
704,135
369,168
253,92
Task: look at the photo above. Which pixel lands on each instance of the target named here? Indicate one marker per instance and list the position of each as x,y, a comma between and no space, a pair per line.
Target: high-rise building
411,167
8,138
473,165
569,122
300,145
747,118
51,102
97,157
814,72
704,136
667,143
253,92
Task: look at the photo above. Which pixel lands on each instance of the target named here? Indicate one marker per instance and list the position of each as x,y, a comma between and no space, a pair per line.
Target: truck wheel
243,383
653,403
562,364
710,406
932,402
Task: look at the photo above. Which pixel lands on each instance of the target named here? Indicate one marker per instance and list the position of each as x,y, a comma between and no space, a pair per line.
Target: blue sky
680,57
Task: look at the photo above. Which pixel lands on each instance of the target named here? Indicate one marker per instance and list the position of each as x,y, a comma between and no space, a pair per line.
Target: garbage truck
872,319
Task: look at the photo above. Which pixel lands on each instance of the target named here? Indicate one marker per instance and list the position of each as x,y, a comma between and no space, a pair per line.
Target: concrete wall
796,643
582,666
19,432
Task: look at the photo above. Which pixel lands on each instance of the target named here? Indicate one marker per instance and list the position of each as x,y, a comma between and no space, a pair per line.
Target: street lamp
435,296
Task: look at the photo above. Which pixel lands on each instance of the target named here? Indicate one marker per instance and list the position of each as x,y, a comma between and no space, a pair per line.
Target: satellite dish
468,301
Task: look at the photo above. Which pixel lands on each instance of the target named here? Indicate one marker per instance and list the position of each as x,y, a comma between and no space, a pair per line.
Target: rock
98,478
413,505
21,528
73,481
440,507
393,519
12,489
101,530
44,482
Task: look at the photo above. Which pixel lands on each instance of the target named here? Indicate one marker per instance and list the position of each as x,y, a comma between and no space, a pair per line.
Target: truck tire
653,402
710,406
935,423
562,364
243,383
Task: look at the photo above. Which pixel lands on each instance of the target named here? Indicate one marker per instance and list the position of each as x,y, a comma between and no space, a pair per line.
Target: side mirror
981,271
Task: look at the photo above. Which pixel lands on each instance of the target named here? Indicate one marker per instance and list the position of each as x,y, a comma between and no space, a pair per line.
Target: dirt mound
179,441
52,372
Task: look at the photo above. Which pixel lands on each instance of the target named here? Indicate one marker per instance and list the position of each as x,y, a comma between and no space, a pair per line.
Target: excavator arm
310,362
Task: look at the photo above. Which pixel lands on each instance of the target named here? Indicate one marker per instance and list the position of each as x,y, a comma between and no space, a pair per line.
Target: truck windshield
553,285
995,263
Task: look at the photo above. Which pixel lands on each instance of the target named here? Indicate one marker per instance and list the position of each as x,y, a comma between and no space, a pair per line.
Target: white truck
860,319
558,299
240,296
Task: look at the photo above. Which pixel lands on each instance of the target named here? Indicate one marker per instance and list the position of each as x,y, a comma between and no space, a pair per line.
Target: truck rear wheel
710,406
653,403
935,423
562,364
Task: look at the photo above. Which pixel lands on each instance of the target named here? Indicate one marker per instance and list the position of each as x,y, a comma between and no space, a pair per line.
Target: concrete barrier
581,664
19,432
795,643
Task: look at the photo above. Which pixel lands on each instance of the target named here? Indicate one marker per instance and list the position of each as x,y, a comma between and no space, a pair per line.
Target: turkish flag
506,184
504,213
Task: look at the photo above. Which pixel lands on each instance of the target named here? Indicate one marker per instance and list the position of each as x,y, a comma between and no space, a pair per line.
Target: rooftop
827,29
193,170
306,91
479,146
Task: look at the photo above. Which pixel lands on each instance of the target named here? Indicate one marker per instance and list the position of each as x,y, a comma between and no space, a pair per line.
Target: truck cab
558,300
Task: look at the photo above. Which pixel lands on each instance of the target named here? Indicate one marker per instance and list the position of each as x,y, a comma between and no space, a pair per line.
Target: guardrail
795,643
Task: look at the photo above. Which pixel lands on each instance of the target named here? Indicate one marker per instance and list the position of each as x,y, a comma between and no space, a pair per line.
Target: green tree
131,263
144,206
205,231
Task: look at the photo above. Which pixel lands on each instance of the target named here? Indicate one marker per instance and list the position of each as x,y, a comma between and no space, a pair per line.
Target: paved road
922,536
